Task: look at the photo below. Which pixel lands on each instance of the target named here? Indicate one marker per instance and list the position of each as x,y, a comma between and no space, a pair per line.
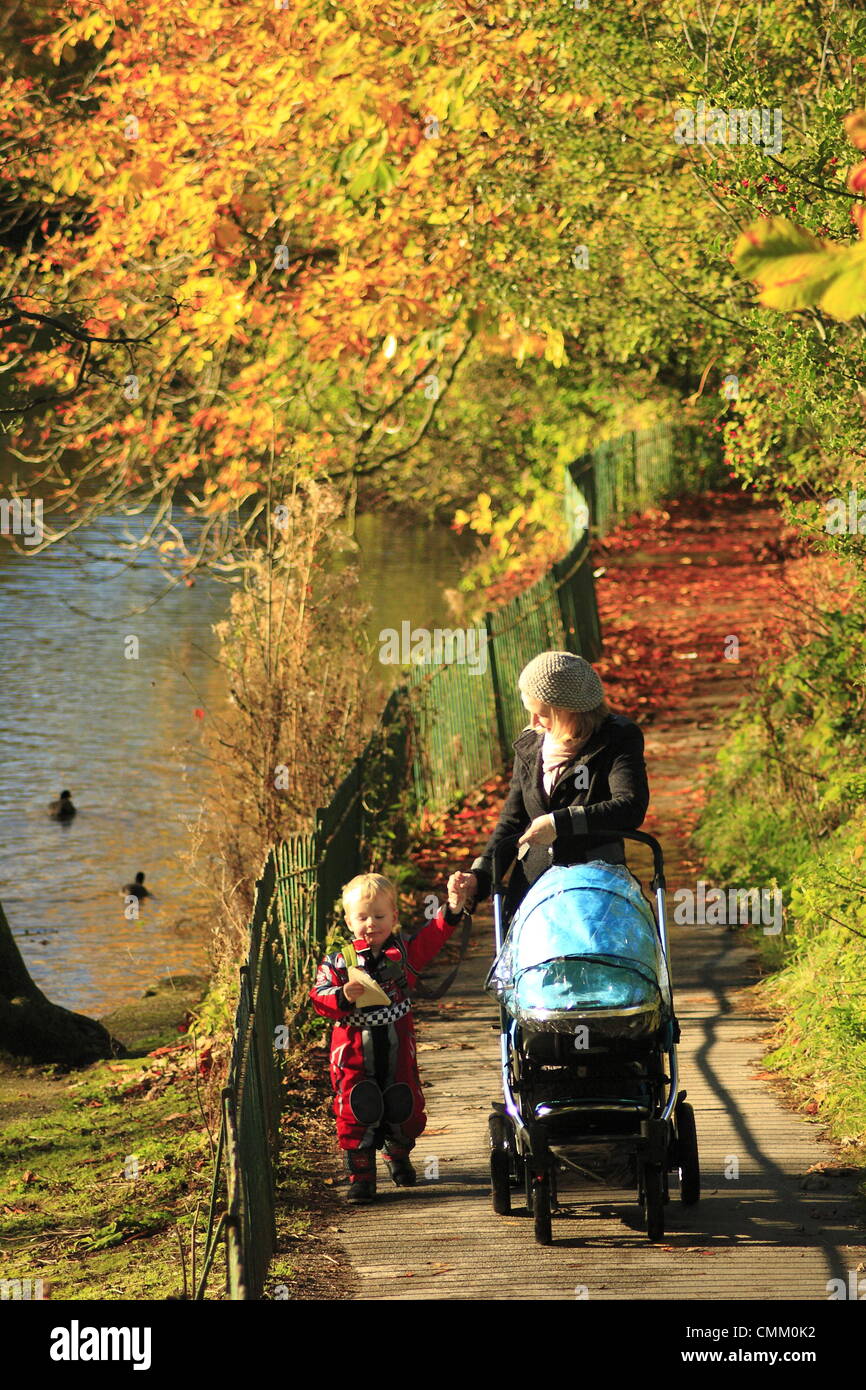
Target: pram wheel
541,1207
517,1171
652,1200
500,1165
539,1185
687,1154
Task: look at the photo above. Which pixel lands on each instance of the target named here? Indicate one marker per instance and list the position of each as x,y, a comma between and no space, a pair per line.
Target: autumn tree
313,190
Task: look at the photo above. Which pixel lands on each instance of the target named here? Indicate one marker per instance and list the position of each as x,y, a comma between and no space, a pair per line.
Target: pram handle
510,843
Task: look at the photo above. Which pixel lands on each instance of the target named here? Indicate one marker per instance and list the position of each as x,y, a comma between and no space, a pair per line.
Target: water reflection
81,712
408,573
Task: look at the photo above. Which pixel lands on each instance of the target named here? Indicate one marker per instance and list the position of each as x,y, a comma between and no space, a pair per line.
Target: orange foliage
307,182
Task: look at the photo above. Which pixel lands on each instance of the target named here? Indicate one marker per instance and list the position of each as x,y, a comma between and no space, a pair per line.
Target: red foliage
677,584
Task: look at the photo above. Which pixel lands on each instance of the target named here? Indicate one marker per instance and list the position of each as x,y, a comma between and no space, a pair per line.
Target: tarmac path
778,1216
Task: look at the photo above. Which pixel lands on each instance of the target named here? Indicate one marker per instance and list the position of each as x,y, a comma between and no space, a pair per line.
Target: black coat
587,818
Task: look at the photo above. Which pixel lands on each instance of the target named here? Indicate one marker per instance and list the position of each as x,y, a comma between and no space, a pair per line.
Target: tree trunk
32,1027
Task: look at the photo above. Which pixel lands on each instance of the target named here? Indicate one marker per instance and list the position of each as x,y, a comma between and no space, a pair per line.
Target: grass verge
101,1172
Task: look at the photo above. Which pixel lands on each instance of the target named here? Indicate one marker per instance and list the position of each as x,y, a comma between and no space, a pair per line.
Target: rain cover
583,946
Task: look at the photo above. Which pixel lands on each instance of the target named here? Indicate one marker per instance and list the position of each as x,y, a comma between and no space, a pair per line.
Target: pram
588,1039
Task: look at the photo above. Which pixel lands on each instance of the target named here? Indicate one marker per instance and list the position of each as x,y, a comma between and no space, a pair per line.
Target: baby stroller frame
646,1117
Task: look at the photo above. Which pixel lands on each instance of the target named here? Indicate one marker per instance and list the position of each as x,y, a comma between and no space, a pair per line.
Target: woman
579,779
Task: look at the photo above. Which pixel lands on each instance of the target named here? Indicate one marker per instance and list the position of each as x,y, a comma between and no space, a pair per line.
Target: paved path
774,1231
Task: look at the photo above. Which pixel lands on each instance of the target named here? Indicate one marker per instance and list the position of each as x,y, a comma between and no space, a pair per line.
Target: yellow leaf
554,350
527,42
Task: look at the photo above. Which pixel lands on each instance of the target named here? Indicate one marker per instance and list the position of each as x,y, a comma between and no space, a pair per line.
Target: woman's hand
353,990
462,889
541,831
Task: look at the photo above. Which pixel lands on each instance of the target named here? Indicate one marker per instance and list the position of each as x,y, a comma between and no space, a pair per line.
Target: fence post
497,689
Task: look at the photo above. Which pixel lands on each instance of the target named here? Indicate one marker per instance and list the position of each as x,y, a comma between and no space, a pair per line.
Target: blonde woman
579,779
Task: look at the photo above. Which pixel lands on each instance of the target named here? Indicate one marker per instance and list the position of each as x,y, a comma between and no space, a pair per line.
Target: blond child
378,1102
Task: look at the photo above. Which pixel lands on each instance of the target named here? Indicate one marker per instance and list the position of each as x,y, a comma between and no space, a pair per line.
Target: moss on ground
100,1174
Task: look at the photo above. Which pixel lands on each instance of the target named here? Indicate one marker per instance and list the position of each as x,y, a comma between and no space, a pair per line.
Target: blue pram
588,1037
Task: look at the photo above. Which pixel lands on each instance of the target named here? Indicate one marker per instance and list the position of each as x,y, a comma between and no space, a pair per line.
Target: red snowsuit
372,1043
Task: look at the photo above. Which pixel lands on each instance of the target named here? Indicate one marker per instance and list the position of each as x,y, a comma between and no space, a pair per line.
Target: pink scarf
556,754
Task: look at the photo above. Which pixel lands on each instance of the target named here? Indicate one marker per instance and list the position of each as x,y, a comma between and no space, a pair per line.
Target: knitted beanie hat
559,678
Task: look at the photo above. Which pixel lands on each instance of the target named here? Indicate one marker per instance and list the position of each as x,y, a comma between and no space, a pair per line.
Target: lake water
123,736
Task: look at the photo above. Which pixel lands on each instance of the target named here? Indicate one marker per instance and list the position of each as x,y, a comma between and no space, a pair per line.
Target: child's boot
397,1158
361,1165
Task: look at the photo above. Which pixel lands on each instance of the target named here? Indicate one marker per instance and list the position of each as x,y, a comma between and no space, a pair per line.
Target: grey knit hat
560,678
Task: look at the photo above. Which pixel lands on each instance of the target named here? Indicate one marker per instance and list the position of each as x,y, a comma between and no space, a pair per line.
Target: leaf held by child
373,993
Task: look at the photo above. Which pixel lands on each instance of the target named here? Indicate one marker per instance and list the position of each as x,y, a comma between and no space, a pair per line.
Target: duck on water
62,808
137,889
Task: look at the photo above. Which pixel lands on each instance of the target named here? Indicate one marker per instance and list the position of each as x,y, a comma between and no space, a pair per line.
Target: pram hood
583,946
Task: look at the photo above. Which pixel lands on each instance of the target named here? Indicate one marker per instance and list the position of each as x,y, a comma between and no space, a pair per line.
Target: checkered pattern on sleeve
374,1018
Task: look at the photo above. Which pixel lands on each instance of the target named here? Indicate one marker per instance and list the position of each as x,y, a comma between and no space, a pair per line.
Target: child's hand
353,990
460,887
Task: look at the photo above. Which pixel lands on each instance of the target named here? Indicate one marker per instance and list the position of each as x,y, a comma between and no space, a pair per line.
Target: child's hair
368,886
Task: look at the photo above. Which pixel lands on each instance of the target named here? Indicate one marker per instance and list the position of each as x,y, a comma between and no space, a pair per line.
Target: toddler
378,1101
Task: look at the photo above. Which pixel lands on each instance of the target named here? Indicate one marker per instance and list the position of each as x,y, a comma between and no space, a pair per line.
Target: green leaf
352,153
770,240
361,183
375,178
384,178
796,270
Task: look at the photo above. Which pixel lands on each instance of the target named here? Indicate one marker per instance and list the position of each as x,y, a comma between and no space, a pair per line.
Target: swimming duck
137,889
62,809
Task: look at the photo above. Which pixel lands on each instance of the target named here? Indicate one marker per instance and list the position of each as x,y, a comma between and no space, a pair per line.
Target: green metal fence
456,736
530,623
296,894
446,731
581,632
629,474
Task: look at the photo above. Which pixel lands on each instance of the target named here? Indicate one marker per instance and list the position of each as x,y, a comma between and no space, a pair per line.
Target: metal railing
628,474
